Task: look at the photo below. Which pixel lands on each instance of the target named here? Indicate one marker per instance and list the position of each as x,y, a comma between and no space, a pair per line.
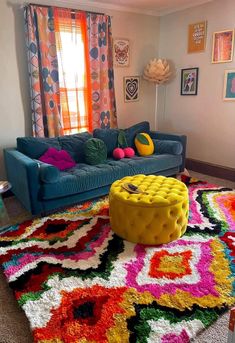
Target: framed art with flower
189,81
131,88
229,85
222,49
121,52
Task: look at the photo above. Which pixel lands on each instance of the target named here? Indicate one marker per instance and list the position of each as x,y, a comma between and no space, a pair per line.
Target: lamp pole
158,72
156,104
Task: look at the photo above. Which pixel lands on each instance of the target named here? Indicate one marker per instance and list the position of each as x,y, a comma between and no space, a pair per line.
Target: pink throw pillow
58,158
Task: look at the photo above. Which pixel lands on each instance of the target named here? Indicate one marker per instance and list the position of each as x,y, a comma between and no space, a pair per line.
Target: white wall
206,119
143,32
14,95
15,121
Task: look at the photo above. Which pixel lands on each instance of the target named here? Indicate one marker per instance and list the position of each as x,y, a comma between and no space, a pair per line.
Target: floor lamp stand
156,103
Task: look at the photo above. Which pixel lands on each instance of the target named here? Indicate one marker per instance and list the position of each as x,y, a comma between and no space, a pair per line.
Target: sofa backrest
110,136
74,145
132,131
34,147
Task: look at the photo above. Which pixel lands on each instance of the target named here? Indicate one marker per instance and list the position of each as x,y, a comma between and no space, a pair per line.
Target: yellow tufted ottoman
157,217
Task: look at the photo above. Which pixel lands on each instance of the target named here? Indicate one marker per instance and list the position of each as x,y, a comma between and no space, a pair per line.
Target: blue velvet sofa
43,188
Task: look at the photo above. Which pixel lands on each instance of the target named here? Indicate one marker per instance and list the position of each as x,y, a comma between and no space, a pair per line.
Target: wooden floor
211,179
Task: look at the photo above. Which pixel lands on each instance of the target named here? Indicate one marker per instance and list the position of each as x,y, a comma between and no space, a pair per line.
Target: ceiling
151,7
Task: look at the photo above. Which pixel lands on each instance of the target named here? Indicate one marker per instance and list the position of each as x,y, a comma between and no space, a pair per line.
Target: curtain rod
25,4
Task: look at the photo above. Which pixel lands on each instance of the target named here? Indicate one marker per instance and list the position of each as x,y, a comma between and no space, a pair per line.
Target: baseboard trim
211,169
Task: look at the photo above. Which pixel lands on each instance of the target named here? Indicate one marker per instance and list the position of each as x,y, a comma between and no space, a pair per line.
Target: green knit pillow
95,151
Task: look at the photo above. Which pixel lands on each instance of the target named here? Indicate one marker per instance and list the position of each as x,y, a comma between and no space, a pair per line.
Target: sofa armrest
23,174
172,137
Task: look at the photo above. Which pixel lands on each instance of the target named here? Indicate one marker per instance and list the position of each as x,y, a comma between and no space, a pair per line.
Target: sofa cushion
95,151
74,144
167,147
34,147
109,137
58,158
132,131
87,177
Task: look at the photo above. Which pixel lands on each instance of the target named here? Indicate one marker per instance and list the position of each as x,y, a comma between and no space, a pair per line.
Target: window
74,90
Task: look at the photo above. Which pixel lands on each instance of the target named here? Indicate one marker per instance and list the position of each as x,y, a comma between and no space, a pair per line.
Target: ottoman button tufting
163,204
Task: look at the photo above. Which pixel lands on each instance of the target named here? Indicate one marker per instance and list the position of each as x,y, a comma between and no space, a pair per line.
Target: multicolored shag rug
78,282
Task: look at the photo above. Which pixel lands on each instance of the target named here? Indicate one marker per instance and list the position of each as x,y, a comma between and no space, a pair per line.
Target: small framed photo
197,37
229,85
189,81
131,88
222,48
121,52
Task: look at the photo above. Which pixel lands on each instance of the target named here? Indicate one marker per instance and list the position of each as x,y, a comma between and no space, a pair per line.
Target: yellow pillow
144,144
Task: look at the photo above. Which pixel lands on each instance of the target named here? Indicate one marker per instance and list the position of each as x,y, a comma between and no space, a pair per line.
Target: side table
4,219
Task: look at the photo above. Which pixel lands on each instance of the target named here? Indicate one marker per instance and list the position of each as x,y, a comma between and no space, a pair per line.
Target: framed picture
197,37
131,88
222,49
229,85
189,81
121,52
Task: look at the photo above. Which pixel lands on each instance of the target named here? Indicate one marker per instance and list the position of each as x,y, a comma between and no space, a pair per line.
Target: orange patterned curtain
73,61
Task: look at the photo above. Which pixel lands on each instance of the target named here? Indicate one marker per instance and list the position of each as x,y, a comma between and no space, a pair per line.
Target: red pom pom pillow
129,152
58,158
118,153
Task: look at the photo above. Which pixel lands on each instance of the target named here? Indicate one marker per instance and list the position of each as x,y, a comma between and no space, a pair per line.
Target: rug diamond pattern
78,282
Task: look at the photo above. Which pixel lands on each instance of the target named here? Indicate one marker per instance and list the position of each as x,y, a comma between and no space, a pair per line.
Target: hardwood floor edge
211,169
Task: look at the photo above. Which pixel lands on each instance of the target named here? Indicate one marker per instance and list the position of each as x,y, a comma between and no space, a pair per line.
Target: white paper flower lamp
157,71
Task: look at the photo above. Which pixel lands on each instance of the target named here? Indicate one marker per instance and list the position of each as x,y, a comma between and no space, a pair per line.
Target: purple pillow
58,158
